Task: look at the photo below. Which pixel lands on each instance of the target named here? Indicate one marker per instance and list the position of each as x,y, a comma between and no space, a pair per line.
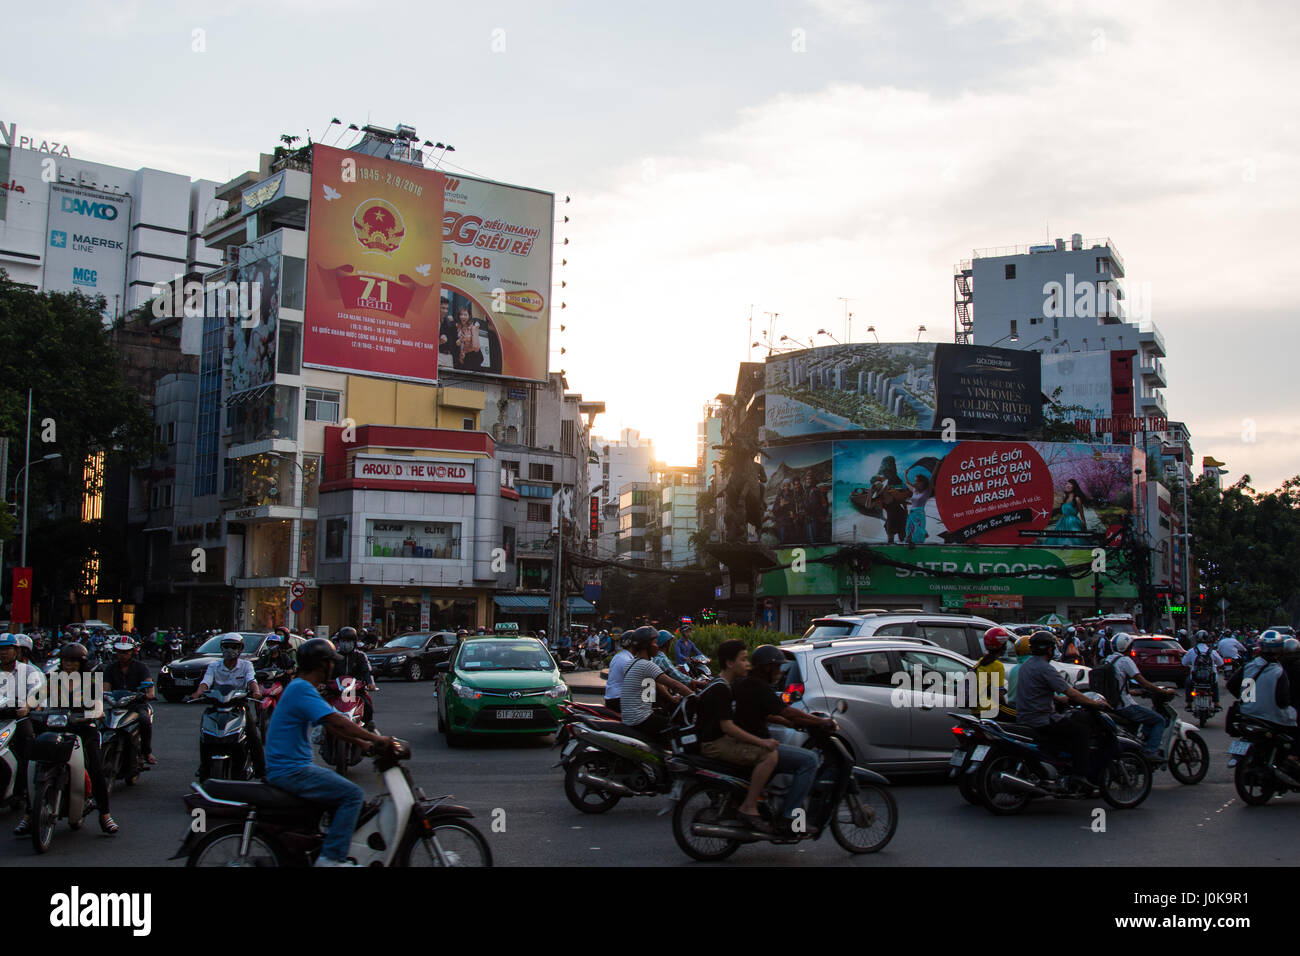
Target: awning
523,603
579,605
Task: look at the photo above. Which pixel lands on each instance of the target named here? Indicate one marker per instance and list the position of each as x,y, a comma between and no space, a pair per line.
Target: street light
786,338
920,330
872,330
53,456
829,336
1013,336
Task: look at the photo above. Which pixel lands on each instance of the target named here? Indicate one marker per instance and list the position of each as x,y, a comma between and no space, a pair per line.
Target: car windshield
823,629
213,644
410,640
505,656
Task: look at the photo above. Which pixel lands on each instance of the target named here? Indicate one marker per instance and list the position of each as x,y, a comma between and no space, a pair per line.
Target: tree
1058,420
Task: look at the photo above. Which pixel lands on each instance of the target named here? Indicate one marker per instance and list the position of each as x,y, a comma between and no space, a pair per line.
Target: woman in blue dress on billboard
918,479
1071,512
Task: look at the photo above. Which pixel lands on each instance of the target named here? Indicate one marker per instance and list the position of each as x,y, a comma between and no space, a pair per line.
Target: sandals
107,825
151,760
24,827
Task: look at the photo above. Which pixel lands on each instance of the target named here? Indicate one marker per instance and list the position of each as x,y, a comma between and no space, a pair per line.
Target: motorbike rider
1126,669
20,684
757,703
685,648
721,738
1271,702
1207,656
1231,649
662,640
356,666
73,660
1013,674
992,690
288,747
617,670
1038,683
127,673
643,678
232,670
278,655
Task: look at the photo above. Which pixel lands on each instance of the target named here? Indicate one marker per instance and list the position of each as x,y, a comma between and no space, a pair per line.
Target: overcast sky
775,155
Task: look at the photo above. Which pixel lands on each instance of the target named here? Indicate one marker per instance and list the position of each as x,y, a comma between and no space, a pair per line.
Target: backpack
1203,668
1104,680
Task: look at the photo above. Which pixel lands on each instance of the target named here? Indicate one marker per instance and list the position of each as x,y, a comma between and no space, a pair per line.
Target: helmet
996,638
1041,642
665,638
1291,648
642,638
1271,642
346,639
282,630
1202,635
275,638
1123,642
542,633
315,652
24,641
126,644
462,633
73,652
766,654
1022,646
232,642
8,640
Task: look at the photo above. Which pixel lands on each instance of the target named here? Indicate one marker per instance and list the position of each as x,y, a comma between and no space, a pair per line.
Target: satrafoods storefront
1006,584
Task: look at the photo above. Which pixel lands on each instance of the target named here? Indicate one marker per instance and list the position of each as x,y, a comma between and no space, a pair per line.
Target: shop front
393,610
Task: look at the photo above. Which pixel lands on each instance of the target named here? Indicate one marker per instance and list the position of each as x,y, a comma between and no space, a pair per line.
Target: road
519,802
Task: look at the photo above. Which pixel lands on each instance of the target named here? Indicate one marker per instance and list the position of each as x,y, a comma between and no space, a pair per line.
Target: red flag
22,604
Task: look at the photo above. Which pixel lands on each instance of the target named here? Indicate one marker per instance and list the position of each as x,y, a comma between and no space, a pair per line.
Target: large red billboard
374,251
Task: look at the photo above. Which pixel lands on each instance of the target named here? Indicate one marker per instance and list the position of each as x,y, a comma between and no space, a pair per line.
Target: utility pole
848,319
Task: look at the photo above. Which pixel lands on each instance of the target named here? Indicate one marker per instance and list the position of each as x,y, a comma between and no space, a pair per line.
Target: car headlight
165,669
399,659
558,691
464,691
56,720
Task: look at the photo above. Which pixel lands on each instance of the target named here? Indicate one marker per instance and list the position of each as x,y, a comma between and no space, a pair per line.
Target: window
539,472
323,406
1010,271
414,539
863,670
510,466
566,437
512,438
930,663
290,346
539,512
1103,264
1015,329
336,538
165,434
891,630
160,496
950,636
467,424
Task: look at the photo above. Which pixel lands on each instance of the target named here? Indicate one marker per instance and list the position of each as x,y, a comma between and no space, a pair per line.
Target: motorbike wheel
586,798
221,848
46,798
881,811
1253,785
703,803
1126,781
966,786
1203,720
996,800
1189,760
414,671
450,844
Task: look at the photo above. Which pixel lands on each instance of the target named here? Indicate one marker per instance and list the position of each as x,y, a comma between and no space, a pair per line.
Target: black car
181,678
412,656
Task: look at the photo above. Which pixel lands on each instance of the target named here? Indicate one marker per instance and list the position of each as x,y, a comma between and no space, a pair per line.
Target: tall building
678,517
625,460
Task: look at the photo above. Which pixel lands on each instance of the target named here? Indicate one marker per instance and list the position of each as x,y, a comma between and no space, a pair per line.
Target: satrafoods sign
413,469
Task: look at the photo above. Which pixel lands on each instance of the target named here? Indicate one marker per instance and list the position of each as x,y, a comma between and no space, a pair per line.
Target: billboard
251,338
933,572
374,251
1084,379
85,248
986,389
797,496
923,491
495,307
901,387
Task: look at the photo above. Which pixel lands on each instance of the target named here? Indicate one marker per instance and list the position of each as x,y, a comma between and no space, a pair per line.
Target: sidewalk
586,684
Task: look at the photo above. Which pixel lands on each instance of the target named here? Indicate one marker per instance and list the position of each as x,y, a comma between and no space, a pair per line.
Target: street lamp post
22,473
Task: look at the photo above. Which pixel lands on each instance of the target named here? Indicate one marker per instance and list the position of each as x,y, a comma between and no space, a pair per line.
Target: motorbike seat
256,793
1022,732
720,766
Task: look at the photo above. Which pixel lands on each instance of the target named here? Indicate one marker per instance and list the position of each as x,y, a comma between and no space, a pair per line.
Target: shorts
731,750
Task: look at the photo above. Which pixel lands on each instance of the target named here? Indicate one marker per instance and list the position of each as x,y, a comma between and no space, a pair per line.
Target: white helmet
24,641
1122,642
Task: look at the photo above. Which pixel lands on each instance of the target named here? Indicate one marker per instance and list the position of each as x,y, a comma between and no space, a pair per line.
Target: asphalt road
519,802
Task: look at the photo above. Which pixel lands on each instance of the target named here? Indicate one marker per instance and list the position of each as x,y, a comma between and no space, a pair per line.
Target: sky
770,159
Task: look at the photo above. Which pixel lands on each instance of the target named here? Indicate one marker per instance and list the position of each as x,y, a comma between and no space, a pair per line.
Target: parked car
180,678
412,656
499,685
1159,657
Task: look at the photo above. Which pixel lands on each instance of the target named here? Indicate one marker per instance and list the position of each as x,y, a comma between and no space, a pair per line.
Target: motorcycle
57,781
1010,769
224,751
1258,757
697,667
852,802
1189,757
273,682
119,735
8,760
347,695
590,658
1203,705
605,761
265,826
172,650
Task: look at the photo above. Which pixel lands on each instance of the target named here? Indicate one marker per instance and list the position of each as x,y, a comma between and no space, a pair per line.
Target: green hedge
708,638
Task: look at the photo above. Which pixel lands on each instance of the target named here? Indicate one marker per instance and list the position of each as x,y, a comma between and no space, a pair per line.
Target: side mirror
442,666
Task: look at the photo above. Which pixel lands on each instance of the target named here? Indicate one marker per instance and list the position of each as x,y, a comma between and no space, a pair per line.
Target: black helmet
642,638
346,634
74,652
766,654
1041,642
316,651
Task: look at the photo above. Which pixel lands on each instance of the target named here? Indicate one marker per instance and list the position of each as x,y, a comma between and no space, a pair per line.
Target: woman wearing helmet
991,677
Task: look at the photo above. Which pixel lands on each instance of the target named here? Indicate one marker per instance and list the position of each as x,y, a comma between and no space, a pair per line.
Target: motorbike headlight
5,736
558,691
464,691
56,720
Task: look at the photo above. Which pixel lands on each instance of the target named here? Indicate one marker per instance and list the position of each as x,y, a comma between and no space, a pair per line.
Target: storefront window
269,549
311,474
336,539
307,557
413,539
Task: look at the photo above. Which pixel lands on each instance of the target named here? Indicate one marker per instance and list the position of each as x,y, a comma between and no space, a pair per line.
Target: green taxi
499,685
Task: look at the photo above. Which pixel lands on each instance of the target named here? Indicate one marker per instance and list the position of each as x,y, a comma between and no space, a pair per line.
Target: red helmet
996,638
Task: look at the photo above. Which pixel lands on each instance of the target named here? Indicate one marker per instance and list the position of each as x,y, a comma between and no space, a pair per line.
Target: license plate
979,753
514,714
184,681
957,759
569,748
1240,747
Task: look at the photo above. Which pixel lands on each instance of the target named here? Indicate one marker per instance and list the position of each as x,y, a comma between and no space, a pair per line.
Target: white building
628,459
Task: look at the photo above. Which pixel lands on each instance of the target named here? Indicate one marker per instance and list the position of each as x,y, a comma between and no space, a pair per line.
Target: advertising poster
495,306
86,245
922,492
252,321
797,503
1084,379
374,251
986,389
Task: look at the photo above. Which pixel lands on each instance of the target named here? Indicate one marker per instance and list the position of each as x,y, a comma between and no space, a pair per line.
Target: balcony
1148,333
1151,404
1153,373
